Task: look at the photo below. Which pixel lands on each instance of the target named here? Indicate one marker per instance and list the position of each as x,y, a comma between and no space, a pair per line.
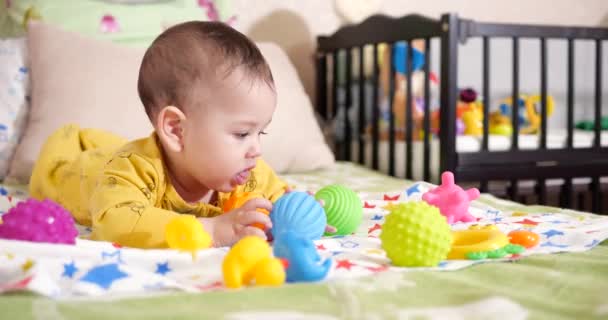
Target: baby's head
210,94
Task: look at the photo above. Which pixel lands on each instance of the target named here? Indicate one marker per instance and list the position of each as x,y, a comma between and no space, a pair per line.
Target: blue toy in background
304,263
400,58
298,212
505,109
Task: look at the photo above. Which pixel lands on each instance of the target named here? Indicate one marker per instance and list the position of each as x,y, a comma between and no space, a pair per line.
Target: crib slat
566,194
581,201
543,93
567,190
375,108
408,111
542,188
362,103
321,75
570,93
515,110
427,110
598,93
391,115
483,185
347,105
486,92
334,85
596,200
515,96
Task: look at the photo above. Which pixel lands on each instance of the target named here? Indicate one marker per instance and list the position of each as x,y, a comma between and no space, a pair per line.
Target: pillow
77,80
14,96
94,84
121,21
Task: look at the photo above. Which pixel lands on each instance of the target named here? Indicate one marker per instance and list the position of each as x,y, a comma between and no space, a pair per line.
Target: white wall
295,24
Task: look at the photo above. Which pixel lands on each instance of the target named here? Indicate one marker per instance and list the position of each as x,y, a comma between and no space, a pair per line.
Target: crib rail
336,79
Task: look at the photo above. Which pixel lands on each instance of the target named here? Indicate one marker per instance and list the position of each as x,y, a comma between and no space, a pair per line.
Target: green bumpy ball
343,208
415,234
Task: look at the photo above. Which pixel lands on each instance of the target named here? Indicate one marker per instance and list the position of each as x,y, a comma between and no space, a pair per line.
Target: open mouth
242,177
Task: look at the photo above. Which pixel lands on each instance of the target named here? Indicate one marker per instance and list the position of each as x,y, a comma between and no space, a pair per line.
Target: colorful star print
374,228
344,263
69,270
552,233
551,244
104,275
348,244
391,198
527,222
27,265
163,268
413,189
116,254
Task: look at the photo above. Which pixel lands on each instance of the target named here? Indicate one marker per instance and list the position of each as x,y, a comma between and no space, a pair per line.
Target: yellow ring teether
477,240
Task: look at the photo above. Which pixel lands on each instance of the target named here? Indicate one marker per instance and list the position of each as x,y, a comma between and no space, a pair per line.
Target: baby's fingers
257,203
252,231
250,217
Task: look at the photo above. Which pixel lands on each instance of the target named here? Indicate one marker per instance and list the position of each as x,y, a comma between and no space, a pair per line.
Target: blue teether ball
299,213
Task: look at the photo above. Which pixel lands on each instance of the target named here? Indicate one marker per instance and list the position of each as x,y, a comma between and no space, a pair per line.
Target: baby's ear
169,127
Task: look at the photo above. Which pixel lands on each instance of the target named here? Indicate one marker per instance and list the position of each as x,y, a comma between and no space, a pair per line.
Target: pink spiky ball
39,221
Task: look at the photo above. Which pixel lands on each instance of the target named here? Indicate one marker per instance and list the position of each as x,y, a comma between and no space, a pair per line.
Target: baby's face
222,139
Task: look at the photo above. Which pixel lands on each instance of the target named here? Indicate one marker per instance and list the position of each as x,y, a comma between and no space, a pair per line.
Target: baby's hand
228,228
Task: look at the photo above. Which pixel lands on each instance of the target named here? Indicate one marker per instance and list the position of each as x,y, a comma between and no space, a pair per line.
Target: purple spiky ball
39,221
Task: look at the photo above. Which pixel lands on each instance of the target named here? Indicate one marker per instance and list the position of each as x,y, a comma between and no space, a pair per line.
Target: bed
563,277
414,96
539,286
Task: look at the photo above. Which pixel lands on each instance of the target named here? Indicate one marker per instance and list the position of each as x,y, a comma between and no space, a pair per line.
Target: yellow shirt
122,190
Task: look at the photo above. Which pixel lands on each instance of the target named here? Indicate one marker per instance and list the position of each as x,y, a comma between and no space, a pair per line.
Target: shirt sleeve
123,204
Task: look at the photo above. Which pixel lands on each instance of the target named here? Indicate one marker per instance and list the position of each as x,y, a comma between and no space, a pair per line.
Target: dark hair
190,53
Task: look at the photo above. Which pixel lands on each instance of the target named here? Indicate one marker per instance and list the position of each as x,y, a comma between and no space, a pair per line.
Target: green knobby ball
343,208
415,234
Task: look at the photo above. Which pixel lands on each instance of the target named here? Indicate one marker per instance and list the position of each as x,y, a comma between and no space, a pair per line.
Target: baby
209,94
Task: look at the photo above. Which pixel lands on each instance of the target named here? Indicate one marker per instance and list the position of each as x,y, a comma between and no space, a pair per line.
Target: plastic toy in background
529,113
186,233
525,238
397,59
238,200
250,262
475,241
590,125
500,124
452,201
304,263
469,114
415,234
473,122
39,221
435,124
299,212
470,111
343,208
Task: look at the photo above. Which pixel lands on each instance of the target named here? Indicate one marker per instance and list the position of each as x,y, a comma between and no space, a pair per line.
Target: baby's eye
241,135
263,132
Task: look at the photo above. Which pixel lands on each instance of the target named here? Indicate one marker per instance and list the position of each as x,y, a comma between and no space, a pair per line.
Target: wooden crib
566,176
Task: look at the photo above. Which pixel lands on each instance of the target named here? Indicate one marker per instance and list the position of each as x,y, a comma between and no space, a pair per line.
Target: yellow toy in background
473,121
476,239
238,200
186,233
250,261
500,124
529,115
